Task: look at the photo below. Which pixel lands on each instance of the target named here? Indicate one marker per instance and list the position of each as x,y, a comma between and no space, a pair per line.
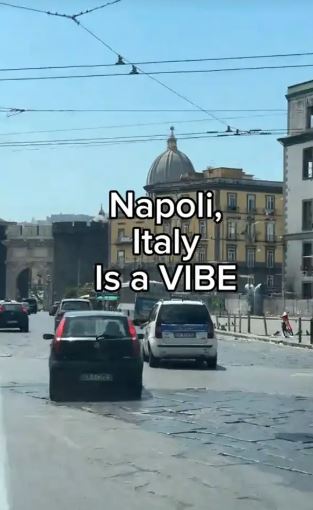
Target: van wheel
153,361
56,393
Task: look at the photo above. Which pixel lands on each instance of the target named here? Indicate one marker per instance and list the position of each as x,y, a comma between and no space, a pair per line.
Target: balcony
124,240
232,208
269,213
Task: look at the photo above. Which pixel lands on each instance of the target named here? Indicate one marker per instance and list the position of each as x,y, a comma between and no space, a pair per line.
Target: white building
298,190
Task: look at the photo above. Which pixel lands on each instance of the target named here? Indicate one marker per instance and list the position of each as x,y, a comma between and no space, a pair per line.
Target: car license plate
184,335
96,377
12,322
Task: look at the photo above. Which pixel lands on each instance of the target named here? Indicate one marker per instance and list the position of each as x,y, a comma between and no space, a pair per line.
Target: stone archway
23,283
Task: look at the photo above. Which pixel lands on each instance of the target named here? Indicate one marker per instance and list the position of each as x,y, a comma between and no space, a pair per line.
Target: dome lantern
171,165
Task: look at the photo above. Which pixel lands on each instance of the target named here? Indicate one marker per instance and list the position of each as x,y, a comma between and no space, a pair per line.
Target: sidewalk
292,341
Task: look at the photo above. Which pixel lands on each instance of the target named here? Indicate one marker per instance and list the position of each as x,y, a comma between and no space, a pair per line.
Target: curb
268,339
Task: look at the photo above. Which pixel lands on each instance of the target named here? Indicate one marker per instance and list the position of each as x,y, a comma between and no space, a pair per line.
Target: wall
77,248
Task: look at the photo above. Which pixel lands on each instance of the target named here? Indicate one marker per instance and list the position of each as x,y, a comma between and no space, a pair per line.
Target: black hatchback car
33,304
95,348
14,315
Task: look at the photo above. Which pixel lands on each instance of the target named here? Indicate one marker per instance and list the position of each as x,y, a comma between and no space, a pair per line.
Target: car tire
199,363
136,390
25,329
211,363
56,392
153,360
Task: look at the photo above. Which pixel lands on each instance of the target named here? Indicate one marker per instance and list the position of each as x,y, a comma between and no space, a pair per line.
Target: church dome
171,165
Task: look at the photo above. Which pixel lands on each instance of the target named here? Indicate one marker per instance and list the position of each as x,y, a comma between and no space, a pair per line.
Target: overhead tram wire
7,109
58,14
120,126
174,61
156,80
137,138
151,75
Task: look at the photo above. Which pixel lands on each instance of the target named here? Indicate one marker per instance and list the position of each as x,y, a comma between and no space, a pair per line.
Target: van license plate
184,335
12,322
96,377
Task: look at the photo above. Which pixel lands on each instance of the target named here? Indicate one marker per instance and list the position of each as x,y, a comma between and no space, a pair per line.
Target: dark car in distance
33,305
70,305
94,348
13,315
54,308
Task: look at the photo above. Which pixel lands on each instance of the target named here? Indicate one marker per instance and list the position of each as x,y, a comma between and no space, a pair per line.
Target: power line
155,137
6,109
174,61
72,17
104,143
120,126
156,80
151,74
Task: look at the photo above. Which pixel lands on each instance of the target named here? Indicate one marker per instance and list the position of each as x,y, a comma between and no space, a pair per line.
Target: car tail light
58,334
24,310
134,337
2,309
158,331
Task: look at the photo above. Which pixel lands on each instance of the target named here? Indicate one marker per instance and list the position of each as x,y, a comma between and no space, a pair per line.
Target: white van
180,329
128,309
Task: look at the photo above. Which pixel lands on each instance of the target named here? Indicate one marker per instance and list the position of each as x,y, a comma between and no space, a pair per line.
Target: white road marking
303,374
4,503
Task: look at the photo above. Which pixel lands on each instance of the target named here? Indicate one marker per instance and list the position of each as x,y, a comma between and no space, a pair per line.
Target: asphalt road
240,437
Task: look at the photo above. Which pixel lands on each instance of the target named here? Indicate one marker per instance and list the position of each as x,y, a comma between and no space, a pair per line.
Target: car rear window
113,327
13,307
184,314
76,305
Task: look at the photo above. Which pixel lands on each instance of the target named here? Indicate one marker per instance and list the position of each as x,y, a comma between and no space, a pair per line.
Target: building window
202,228
250,230
166,227
121,257
309,119
120,234
231,229
270,258
231,254
202,254
270,281
307,290
232,201
251,203
185,227
307,256
270,203
308,163
250,257
270,232
307,214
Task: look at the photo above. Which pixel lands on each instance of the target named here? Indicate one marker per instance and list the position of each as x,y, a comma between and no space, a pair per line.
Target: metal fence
264,326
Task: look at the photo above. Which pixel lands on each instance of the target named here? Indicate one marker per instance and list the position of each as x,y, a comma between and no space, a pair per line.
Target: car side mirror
48,336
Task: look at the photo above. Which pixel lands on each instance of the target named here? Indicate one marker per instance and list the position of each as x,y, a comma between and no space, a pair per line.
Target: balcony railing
123,239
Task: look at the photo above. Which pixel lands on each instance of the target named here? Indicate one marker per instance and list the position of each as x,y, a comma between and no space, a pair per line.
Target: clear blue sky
36,183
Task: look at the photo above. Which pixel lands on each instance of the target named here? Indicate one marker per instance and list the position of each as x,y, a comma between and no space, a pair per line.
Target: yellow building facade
251,233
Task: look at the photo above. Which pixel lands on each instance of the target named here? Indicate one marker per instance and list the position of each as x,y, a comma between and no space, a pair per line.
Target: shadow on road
188,365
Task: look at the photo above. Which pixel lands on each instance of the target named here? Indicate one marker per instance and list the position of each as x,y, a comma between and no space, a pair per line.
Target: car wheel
25,329
199,363
136,390
153,361
212,363
56,392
